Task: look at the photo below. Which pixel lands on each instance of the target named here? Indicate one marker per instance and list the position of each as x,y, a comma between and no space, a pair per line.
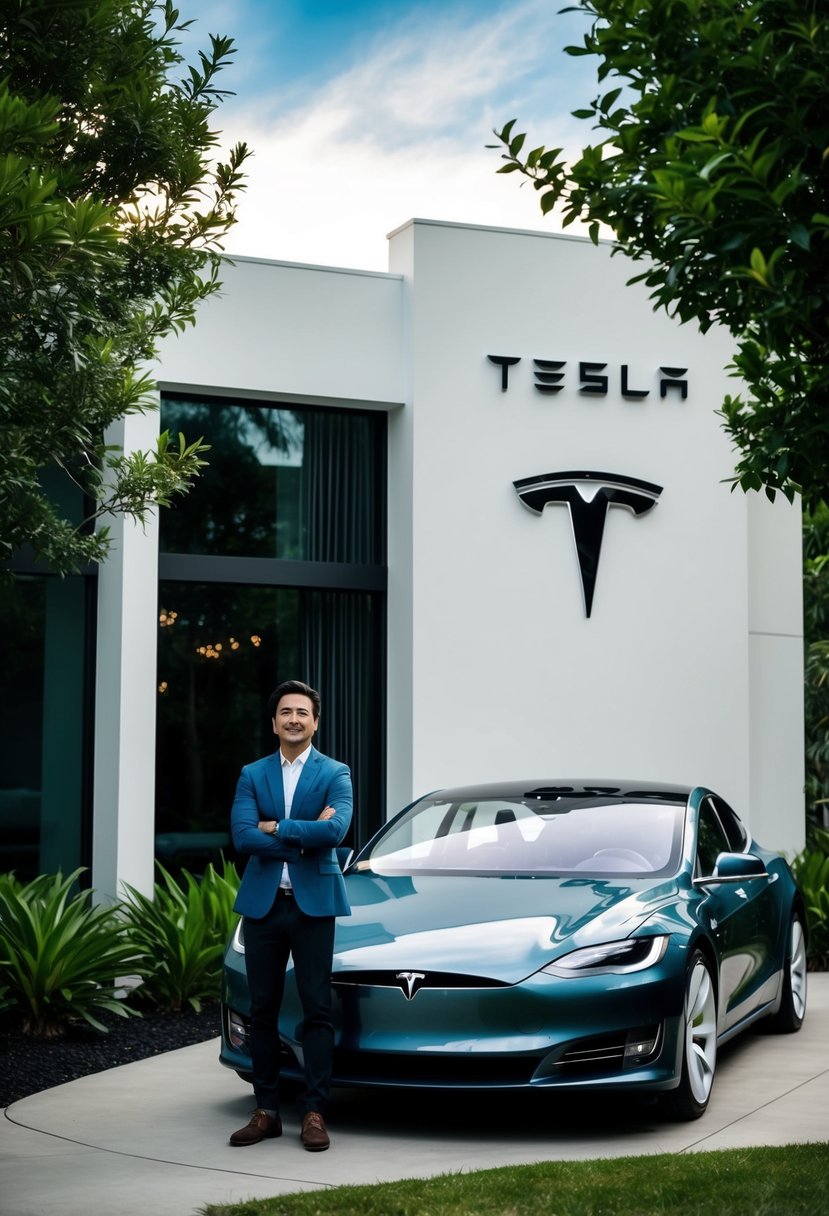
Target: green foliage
811,869
113,206
816,641
136,481
182,932
6,998
711,167
218,893
60,956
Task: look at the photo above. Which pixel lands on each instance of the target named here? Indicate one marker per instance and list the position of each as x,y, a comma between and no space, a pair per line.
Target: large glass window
282,483
44,674
272,568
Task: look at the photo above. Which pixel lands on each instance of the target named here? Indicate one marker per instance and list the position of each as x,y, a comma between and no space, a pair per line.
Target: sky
363,114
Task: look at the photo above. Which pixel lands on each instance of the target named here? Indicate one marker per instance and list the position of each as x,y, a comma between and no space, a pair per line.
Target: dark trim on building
88,761
23,561
271,572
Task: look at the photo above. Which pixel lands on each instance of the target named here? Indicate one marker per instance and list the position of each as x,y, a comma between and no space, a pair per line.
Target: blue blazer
305,841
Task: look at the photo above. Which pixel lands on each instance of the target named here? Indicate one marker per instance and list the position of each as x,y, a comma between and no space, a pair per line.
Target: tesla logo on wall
587,496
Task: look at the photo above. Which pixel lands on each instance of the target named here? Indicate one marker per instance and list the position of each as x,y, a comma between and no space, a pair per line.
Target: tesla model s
552,934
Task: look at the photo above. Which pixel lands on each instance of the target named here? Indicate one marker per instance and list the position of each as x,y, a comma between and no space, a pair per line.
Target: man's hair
297,688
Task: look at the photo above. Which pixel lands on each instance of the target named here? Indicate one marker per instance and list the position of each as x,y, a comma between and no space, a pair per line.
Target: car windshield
590,836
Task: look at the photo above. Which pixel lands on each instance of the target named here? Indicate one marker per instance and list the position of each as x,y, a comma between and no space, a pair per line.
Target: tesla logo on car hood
410,981
587,496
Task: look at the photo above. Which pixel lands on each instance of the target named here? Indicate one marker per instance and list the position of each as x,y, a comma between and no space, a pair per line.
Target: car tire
699,1043
792,1011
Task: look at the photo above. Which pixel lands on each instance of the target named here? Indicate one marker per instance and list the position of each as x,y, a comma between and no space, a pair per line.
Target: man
290,811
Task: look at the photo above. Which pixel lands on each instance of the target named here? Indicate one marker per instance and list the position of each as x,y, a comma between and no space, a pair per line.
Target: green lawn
736,1182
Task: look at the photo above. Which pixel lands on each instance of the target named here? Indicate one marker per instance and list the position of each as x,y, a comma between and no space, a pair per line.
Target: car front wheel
792,1011
699,1053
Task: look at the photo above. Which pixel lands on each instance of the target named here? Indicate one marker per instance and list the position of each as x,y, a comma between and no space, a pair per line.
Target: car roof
550,788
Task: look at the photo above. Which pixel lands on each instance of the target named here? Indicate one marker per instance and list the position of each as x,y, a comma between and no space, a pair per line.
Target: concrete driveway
151,1137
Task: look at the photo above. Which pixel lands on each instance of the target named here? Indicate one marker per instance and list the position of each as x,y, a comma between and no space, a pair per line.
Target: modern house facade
481,501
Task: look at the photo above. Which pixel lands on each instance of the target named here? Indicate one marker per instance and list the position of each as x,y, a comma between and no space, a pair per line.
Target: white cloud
402,134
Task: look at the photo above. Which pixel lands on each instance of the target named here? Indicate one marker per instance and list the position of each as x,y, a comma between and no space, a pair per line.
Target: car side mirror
734,867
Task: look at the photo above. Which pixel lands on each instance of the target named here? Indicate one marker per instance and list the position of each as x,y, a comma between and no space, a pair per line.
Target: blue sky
366,113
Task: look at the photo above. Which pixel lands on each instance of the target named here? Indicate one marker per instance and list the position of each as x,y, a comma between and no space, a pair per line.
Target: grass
735,1182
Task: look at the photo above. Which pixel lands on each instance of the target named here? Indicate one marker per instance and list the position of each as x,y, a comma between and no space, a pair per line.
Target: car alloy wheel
789,1018
699,1054
797,971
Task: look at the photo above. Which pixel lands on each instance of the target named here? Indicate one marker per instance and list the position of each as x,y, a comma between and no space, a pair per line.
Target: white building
444,622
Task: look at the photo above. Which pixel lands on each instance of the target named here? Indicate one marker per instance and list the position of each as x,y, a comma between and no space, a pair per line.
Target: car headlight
619,958
238,939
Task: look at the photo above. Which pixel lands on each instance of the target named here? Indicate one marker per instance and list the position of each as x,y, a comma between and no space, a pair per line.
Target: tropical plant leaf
61,957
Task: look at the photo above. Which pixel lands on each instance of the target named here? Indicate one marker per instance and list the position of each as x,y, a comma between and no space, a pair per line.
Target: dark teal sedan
553,934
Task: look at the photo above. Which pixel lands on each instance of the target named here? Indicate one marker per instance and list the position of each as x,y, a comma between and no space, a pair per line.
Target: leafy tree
113,205
712,163
816,639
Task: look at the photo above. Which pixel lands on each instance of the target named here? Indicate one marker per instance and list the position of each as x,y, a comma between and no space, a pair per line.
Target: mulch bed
29,1065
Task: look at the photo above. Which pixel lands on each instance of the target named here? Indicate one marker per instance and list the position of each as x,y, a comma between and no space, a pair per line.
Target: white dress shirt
291,773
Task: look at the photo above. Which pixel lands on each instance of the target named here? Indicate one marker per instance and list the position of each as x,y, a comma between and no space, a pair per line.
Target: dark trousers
287,931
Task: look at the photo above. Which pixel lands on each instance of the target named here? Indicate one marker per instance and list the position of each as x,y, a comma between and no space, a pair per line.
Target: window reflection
222,648
282,483
711,839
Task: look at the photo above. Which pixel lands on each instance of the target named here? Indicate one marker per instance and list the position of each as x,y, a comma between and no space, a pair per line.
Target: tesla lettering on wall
587,496
550,376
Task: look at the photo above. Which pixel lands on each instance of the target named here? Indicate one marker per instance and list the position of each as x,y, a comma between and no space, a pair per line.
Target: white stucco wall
294,333
671,678
775,598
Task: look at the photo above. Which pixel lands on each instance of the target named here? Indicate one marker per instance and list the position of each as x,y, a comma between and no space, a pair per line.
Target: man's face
294,723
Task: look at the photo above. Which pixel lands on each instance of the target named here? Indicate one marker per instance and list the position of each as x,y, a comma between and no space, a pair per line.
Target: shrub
218,892
60,956
811,870
182,932
6,1000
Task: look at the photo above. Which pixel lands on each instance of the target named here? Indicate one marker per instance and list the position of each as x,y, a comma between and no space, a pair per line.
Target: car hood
502,928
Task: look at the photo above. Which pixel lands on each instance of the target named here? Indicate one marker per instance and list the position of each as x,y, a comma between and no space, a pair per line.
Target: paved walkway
150,1139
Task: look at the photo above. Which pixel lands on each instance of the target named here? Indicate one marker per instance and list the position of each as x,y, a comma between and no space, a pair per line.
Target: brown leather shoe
262,1126
313,1134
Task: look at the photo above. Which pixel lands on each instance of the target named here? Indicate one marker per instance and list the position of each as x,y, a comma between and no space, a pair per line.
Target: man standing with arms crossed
290,811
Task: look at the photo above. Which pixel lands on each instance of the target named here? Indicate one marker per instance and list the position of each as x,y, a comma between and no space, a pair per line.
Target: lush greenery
113,205
60,957
811,869
816,638
182,932
742,1182
710,165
